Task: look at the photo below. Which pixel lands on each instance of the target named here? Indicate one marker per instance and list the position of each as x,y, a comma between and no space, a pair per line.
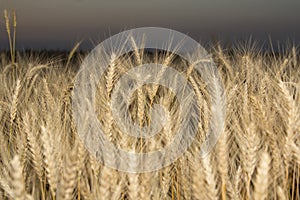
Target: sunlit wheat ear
292,122
237,183
198,179
17,180
115,184
185,174
294,56
48,94
165,63
165,181
33,70
108,177
133,186
282,66
50,159
296,152
72,52
223,158
14,102
119,186
281,194
80,165
140,96
68,180
7,22
226,62
5,185
5,179
111,74
8,30
211,186
261,182
249,145
149,184
84,187
204,123
13,110
138,54
35,150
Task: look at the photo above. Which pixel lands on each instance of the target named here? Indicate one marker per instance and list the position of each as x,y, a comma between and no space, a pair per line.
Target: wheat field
257,156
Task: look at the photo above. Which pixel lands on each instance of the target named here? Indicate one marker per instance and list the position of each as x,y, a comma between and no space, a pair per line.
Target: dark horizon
59,25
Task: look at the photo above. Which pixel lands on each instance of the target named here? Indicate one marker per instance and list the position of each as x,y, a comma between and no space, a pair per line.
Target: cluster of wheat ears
256,157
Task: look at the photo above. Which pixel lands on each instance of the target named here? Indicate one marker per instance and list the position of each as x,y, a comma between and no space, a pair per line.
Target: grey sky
60,23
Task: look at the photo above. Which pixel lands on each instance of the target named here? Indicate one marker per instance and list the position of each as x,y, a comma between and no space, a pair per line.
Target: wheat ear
68,180
210,178
14,103
35,149
17,180
261,182
49,159
281,194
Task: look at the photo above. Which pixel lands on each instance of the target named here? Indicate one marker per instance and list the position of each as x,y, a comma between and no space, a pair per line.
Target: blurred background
59,24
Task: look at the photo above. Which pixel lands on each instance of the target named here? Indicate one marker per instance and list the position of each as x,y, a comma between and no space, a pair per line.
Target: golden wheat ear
12,41
261,182
13,182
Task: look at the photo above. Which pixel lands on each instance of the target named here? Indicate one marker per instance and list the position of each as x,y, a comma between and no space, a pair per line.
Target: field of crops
256,157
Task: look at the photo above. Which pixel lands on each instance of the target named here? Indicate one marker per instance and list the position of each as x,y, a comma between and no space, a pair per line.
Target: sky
59,24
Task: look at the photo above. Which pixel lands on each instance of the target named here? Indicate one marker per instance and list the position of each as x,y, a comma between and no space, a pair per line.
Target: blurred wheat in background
256,157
